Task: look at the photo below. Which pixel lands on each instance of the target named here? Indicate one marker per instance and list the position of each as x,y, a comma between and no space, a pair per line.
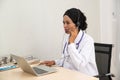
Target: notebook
37,70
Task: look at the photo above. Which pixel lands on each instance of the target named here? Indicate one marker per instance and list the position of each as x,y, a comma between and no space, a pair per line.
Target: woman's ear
78,24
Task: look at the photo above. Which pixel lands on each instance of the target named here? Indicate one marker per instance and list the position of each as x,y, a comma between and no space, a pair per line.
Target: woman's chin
67,32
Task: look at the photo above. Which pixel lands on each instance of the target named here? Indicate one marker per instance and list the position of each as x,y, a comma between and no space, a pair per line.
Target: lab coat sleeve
80,58
59,62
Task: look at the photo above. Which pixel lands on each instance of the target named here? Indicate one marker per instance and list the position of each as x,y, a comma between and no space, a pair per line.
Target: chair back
103,59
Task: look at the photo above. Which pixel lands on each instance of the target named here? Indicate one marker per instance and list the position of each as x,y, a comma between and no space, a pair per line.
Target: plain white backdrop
35,27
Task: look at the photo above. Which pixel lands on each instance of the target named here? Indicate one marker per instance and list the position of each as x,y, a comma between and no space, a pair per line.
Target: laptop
37,70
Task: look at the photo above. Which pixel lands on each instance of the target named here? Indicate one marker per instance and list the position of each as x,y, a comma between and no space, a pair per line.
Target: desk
61,74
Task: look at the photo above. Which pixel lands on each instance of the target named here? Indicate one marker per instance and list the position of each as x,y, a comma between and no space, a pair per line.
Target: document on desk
3,68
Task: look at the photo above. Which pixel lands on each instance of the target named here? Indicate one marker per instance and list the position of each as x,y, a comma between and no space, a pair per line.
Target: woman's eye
67,23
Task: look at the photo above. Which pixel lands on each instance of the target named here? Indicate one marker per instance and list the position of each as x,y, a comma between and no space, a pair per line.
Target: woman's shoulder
88,37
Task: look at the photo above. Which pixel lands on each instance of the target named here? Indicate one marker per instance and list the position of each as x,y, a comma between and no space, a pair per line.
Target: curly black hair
78,17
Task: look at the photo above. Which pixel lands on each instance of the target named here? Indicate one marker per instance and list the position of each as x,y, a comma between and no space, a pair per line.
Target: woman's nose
65,25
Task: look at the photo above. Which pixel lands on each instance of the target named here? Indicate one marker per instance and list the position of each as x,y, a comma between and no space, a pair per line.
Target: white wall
34,27
109,21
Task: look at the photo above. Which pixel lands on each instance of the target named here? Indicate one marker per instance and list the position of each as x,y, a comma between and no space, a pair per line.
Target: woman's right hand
48,63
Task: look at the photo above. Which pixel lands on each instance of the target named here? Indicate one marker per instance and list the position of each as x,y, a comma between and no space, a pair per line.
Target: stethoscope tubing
76,47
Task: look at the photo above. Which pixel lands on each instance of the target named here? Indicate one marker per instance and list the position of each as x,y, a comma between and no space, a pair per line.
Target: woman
78,47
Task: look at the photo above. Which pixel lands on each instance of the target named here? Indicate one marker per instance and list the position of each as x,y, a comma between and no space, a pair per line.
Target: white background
35,27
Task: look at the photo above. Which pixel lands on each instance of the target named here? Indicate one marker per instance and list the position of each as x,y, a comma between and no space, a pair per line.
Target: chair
103,60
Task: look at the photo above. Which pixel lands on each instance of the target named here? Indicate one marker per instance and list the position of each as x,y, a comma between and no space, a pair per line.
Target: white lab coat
81,59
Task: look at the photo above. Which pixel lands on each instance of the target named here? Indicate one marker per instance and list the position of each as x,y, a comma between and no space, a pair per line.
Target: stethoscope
77,44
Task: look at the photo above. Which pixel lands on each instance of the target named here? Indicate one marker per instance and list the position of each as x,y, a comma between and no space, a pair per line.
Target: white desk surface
61,74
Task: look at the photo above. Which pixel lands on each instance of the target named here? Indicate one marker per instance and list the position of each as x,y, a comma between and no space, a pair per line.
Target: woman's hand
48,63
73,35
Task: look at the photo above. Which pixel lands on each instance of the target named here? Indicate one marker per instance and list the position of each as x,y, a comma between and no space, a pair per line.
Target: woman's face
68,24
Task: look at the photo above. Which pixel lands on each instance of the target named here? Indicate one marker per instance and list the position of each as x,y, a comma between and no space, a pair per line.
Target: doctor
78,47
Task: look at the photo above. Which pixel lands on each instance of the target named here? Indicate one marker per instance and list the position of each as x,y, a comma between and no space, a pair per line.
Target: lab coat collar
78,37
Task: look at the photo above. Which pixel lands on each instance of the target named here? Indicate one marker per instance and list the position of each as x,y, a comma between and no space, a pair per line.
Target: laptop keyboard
39,71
